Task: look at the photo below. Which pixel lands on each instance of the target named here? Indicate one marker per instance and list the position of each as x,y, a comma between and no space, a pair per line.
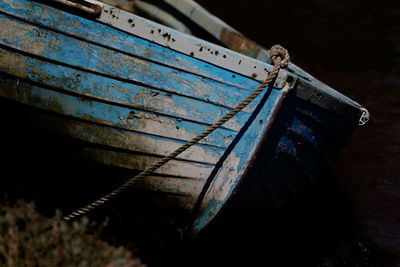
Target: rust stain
240,43
80,7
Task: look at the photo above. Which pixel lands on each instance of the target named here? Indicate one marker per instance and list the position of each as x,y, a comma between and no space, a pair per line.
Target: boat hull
126,99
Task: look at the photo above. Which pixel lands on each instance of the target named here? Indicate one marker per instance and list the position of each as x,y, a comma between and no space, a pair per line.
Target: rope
280,59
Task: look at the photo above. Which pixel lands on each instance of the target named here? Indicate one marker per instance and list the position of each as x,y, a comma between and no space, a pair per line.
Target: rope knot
279,56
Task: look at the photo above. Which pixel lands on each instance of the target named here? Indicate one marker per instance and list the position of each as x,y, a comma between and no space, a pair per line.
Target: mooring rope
279,58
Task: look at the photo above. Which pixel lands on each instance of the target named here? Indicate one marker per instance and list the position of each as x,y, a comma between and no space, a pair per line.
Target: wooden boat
131,91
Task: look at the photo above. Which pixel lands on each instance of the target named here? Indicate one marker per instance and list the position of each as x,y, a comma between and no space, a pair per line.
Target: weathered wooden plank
113,38
187,177
102,113
135,142
152,145
184,190
54,46
114,91
168,201
127,118
107,135
184,169
228,175
171,184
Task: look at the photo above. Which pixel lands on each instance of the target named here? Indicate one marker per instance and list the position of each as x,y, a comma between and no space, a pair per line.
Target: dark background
354,47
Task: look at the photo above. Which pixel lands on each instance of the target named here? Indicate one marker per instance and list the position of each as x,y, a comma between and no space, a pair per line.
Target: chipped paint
141,121
186,44
108,62
236,163
94,86
100,113
114,39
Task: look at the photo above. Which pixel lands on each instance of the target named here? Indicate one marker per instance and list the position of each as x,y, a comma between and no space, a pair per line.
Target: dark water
353,46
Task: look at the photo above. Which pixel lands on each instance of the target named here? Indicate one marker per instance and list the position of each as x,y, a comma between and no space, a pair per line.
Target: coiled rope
279,58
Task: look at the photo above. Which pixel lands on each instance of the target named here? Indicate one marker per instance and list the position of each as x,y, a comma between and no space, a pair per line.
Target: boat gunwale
221,30
329,94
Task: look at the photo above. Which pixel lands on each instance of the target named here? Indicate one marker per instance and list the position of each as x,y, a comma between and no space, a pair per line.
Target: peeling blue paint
76,53
114,38
123,42
223,184
103,88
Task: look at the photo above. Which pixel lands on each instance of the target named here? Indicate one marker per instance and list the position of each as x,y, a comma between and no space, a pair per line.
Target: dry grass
27,240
